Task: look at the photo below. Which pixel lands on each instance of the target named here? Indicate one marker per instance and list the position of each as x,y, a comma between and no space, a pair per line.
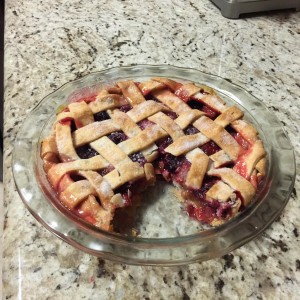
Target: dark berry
210,148
138,157
148,96
195,104
199,194
214,204
123,189
125,108
171,114
230,130
106,170
76,177
86,151
125,192
162,145
101,116
191,130
145,123
127,199
182,171
171,162
117,137
208,182
223,210
73,126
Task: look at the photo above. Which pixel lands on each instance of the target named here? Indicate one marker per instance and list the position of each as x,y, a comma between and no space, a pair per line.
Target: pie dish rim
142,242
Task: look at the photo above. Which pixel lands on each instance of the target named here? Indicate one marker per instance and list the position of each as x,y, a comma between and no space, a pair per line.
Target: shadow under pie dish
124,132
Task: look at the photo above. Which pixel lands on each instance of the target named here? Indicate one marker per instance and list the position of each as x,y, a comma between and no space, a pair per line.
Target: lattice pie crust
104,150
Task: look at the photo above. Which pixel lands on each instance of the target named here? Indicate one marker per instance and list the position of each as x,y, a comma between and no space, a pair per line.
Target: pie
106,149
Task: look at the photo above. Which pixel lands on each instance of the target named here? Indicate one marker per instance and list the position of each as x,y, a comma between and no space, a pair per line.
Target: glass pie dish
167,236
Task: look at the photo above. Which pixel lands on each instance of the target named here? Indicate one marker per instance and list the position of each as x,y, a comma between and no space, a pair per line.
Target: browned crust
236,182
131,92
228,116
199,163
171,84
150,85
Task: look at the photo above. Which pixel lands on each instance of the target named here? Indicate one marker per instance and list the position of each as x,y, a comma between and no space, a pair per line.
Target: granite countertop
48,43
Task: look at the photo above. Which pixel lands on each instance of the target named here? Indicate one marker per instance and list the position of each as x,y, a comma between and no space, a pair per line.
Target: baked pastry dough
103,152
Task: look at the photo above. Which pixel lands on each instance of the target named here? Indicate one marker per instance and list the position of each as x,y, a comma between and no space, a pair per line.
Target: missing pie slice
104,151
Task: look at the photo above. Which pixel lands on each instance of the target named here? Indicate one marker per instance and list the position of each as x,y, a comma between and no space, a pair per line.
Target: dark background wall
1,83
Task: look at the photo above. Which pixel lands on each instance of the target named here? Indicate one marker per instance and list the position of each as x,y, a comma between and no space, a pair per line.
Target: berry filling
196,103
171,114
130,192
106,170
191,130
86,151
200,194
239,165
117,137
241,141
210,148
208,211
138,157
203,210
210,112
145,123
125,108
239,138
76,177
171,162
182,94
74,126
181,172
169,166
222,209
101,116
163,144
149,96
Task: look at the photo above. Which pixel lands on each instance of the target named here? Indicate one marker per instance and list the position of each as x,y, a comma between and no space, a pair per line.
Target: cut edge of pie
104,151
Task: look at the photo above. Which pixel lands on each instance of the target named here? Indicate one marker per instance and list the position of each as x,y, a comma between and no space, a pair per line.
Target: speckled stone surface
48,43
